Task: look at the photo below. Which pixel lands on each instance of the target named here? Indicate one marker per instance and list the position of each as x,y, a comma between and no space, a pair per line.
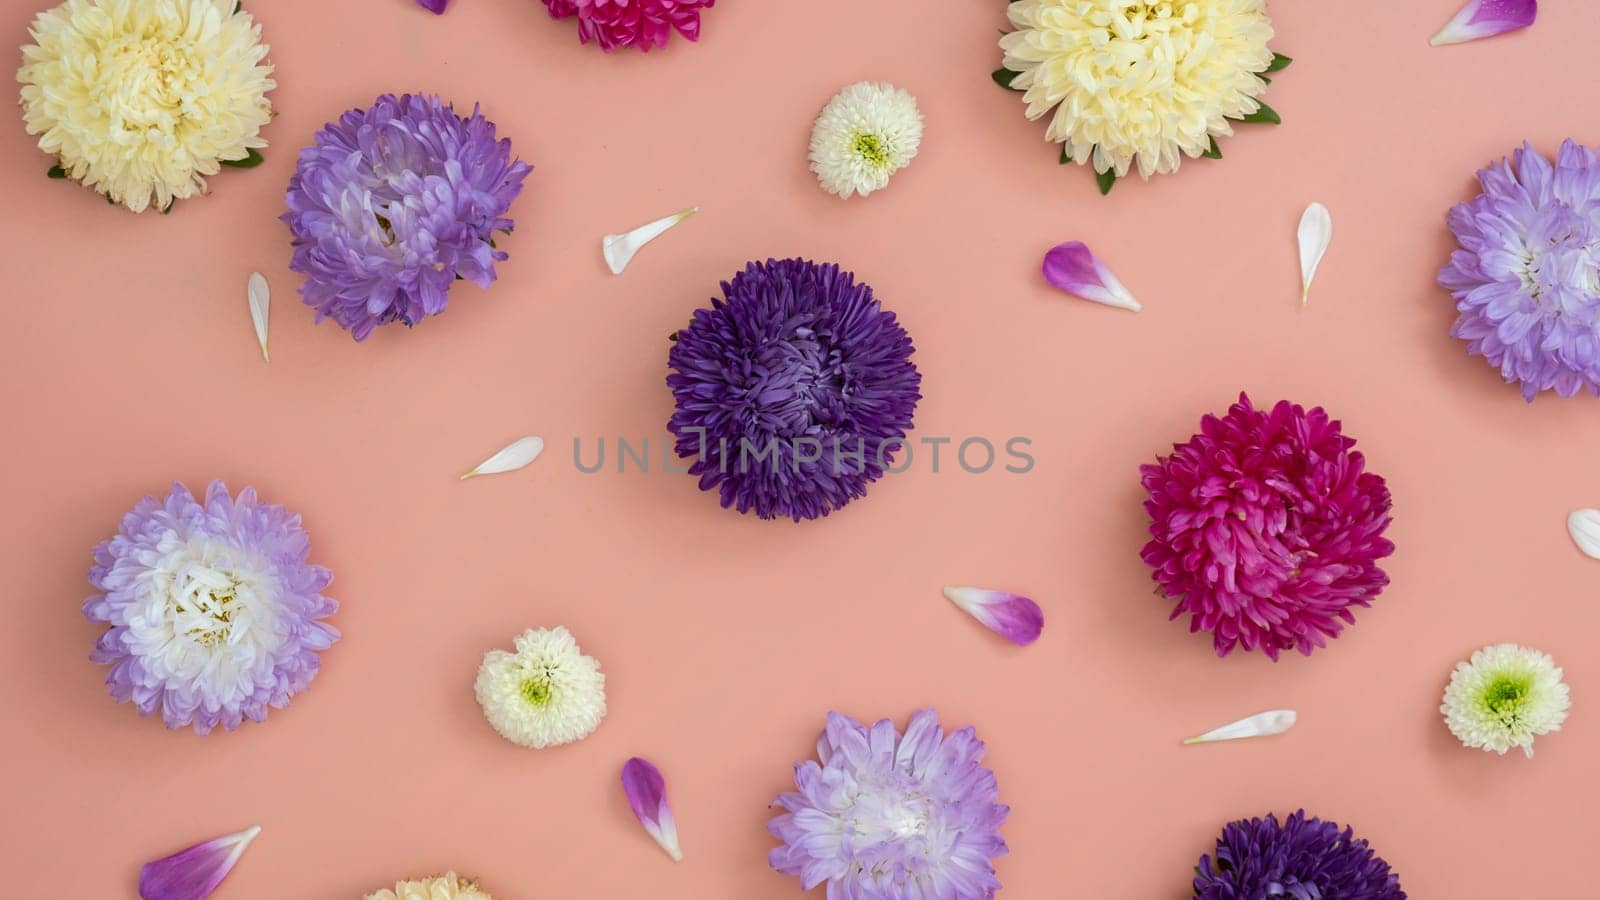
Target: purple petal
1487,18
1012,616
194,873
434,6
1074,269
647,794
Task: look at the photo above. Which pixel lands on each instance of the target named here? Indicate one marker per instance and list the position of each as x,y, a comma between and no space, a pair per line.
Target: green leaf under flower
1266,115
57,172
1279,62
1106,180
1214,151
251,160
1004,77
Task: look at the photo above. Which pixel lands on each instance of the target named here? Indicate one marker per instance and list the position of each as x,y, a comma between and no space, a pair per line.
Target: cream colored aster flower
1505,697
449,886
866,133
1138,81
545,694
141,99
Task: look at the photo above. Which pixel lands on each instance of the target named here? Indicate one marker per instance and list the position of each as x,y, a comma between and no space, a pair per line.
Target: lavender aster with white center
392,205
215,614
885,816
1527,277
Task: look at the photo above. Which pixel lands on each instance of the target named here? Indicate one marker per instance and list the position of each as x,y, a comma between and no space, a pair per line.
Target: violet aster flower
631,23
1266,528
392,205
215,614
1300,859
1527,277
885,816
794,391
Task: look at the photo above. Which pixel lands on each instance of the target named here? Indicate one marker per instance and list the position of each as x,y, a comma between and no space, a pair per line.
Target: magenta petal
194,873
647,794
1487,18
1076,270
434,6
1012,616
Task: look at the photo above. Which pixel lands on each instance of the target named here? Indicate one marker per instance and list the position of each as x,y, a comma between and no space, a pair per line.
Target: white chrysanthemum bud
1505,697
449,886
545,694
866,133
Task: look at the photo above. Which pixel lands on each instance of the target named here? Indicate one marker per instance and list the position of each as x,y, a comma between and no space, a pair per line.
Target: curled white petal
620,248
1275,721
1584,526
514,456
259,295
1316,231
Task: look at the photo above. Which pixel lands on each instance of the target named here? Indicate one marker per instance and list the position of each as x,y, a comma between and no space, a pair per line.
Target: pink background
128,362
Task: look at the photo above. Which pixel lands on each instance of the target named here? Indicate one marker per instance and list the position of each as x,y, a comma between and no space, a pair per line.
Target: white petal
260,296
1316,230
518,454
1584,526
620,248
1275,722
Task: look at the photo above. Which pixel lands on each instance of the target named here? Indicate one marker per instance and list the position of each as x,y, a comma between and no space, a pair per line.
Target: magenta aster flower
1266,528
885,816
631,23
1527,277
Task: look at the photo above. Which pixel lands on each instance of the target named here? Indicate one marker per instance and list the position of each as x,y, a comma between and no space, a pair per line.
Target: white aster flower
141,99
1505,697
1146,81
866,133
545,694
449,886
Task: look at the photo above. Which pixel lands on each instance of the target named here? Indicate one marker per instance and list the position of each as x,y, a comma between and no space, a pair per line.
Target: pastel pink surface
128,362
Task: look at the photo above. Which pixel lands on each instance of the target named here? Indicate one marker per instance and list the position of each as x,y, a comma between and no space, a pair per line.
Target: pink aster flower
1266,529
631,23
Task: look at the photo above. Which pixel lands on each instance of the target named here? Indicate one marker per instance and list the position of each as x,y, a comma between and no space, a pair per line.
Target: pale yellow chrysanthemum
449,886
141,99
1138,81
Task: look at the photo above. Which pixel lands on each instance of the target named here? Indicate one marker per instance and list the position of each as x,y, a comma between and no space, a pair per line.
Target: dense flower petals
644,24
1300,859
1504,697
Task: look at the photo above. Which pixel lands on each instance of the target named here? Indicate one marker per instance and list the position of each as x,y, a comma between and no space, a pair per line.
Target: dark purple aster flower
215,614
1301,859
391,205
885,816
1527,277
794,390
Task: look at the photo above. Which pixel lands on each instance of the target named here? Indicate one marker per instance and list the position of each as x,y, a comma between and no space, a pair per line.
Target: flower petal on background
1276,721
1013,617
194,873
519,453
1316,231
1486,18
260,298
620,248
1074,269
434,6
1584,526
647,794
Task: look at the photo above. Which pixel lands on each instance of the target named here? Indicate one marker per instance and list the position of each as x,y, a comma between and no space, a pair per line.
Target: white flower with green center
1505,697
866,133
545,694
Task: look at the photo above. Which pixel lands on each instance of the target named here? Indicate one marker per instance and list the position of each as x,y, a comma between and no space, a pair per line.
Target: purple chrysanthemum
1527,279
1267,529
392,205
794,391
214,612
881,816
1300,859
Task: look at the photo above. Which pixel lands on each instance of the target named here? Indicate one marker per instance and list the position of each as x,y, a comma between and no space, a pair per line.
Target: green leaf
1107,179
1066,158
167,210
1279,62
1266,115
1214,152
1004,77
251,160
57,172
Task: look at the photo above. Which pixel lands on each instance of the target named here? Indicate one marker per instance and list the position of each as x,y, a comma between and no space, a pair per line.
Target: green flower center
536,690
1505,697
871,148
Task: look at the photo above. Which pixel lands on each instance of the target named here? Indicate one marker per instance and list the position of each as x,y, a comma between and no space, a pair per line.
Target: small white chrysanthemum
866,133
1505,697
545,694
449,886
141,99
1146,81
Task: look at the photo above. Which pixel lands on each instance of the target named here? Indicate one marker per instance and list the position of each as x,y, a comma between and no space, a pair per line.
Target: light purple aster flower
885,816
214,612
392,205
1527,277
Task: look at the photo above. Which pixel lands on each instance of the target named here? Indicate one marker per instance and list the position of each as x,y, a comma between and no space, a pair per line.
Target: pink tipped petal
647,794
194,873
1013,617
1486,18
1074,269
434,6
